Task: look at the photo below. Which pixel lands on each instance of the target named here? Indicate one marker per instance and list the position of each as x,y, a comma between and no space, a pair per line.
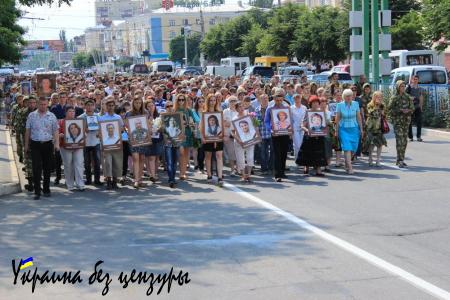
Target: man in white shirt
110,88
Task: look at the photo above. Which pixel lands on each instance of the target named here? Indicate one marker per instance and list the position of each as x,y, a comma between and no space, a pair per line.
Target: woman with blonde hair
137,152
189,118
349,127
375,136
212,105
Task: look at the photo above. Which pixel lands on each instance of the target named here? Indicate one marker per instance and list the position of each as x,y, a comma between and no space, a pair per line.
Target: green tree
250,42
407,33
176,46
399,8
280,31
261,3
11,39
436,15
83,60
320,35
212,45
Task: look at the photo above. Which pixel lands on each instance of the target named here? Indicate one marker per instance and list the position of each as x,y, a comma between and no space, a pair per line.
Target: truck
224,71
239,63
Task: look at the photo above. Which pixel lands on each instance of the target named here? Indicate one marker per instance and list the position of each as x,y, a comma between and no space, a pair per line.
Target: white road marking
370,258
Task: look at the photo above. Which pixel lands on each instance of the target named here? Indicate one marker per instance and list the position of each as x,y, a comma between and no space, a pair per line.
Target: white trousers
297,137
73,161
243,155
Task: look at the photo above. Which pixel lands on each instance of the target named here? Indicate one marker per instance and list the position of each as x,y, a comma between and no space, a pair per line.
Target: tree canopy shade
83,60
11,34
11,40
321,35
436,15
176,52
407,32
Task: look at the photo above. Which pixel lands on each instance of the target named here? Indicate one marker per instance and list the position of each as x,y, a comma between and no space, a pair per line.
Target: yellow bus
270,61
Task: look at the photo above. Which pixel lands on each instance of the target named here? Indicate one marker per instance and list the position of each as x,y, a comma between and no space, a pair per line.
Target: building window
197,21
185,22
171,22
172,34
212,21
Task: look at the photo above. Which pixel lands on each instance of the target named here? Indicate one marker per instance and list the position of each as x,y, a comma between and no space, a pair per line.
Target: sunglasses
169,106
181,99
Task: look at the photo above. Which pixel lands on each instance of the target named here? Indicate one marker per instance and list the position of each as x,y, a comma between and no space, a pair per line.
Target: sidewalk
9,178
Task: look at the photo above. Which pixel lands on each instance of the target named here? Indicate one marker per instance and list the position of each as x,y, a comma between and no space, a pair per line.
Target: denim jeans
265,154
171,155
92,154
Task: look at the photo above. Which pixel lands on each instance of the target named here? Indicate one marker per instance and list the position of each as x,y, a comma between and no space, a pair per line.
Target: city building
79,43
166,24
107,11
314,3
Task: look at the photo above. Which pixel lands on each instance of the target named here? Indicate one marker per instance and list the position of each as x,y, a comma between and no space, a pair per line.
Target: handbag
384,125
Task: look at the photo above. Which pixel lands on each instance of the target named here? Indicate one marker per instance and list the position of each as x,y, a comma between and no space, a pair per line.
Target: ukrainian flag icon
26,263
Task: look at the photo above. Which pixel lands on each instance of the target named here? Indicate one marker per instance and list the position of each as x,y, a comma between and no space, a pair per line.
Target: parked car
139,69
427,74
224,71
341,68
266,73
292,72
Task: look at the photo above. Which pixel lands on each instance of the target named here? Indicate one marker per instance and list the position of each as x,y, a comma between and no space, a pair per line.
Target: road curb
14,186
428,131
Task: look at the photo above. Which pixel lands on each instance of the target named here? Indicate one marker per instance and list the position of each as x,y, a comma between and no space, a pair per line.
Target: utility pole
185,47
375,42
202,29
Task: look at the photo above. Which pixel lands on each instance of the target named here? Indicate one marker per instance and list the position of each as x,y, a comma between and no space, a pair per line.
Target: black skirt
312,153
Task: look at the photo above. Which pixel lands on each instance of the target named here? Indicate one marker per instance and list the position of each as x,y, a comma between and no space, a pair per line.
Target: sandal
136,185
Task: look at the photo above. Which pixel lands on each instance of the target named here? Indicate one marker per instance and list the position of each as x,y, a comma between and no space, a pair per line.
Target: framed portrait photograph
281,121
74,134
110,135
212,127
139,132
246,131
317,124
173,126
92,123
46,84
25,88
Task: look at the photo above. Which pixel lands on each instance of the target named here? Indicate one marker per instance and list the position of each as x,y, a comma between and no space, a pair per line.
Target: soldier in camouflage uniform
15,124
401,108
22,118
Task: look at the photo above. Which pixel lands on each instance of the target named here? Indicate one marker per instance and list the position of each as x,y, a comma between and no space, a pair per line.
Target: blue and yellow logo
26,263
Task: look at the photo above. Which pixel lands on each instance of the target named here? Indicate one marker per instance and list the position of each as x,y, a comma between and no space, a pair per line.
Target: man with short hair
416,93
113,159
92,147
110,88
15,125
280,144
41,136
58,110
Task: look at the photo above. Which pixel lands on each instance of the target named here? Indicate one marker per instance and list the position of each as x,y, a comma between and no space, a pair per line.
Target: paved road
237,246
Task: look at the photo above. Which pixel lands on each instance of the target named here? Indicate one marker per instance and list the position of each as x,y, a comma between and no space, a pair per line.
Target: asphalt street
261,241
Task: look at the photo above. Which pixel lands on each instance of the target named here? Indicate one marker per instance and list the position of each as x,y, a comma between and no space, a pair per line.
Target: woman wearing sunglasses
189,118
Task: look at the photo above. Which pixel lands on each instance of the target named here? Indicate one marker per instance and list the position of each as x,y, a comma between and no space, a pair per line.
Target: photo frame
25,88
46,84
281,121
317,124
110,135
74,134
139,132
173,126
92,123
247,133
212,127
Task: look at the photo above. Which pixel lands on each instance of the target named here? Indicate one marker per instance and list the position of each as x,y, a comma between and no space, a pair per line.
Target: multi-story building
79,43
166,24
95,38
314,3
107,11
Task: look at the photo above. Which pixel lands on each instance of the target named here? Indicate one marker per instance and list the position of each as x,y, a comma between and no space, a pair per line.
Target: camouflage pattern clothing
401,121
16,122
22,119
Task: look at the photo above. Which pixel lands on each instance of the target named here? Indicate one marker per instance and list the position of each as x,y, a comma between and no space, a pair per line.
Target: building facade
107,11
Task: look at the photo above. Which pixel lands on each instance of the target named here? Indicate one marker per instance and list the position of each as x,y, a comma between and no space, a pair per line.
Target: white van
427,74
164,66
409,58
239,63
224,71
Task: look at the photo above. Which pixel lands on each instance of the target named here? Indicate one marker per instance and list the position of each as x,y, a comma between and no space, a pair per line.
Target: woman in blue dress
349,127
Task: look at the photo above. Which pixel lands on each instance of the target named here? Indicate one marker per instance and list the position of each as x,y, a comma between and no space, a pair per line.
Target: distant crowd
120,131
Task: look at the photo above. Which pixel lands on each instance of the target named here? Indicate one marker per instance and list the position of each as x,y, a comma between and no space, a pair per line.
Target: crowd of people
287,117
